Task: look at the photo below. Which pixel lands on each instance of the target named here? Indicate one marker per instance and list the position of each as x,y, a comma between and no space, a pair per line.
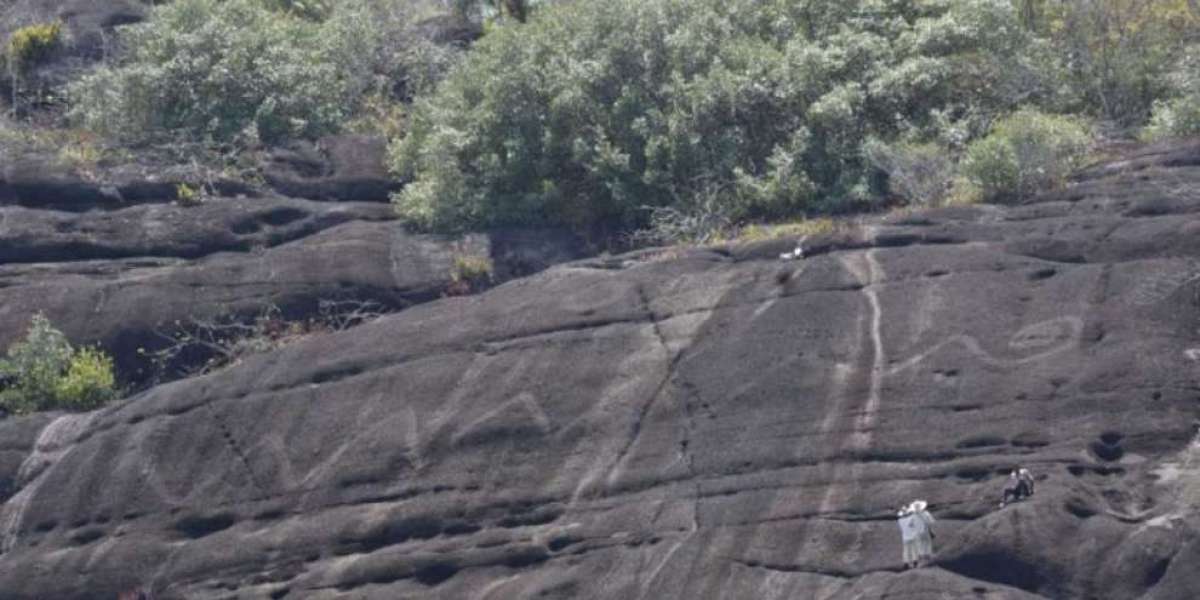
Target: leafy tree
1116,54
216,69
593,112
1179,114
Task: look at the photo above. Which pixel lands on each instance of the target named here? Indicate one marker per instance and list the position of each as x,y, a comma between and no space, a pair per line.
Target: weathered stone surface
38,179
123,276
342,168
169,230
688,424
124,304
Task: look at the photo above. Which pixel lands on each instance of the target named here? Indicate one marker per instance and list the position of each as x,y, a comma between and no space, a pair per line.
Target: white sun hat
918,505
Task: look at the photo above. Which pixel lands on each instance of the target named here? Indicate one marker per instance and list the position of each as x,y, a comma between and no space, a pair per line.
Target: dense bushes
593,112
315,10
1025,152
1179,115
917,173
43,372
1113,56
214,68
682,114
223,69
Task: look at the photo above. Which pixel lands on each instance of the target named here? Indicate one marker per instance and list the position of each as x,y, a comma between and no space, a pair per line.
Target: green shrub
918,173
237,69
217,69
1025,152
757,232
1179,115
471,268
492,9
378,51
32,44
88,383
43,372
593,112
704,219
189,195
313,10
33,367
1114,56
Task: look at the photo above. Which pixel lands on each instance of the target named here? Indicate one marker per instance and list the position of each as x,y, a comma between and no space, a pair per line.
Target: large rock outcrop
678,424
120,270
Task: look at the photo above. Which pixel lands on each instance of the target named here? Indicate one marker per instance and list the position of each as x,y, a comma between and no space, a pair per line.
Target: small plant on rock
28,47
798,229
89,381
188,195
79,150
31,45
43,372
469,273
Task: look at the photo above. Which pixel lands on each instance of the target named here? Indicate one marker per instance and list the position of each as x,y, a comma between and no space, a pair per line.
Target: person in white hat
923,525
909,531
1025,476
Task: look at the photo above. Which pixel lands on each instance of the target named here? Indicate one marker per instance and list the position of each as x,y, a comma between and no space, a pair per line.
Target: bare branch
202,345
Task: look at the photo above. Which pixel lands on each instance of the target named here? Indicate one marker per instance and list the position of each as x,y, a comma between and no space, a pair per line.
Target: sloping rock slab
124,304
38,180
169,230
685,424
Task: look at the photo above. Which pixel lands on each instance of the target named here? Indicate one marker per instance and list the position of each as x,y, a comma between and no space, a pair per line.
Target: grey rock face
122,277
683,424
346,168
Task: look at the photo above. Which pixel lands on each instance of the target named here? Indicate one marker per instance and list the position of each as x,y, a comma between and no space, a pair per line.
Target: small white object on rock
794,254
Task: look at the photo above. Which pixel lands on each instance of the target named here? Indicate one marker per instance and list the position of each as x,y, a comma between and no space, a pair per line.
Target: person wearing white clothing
916,532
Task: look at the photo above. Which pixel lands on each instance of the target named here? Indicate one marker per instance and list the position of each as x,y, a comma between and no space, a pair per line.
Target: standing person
1027,479
908,536
924,526
1012,489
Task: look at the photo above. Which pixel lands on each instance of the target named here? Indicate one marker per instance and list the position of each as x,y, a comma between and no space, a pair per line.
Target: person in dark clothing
1027,479
1019,486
